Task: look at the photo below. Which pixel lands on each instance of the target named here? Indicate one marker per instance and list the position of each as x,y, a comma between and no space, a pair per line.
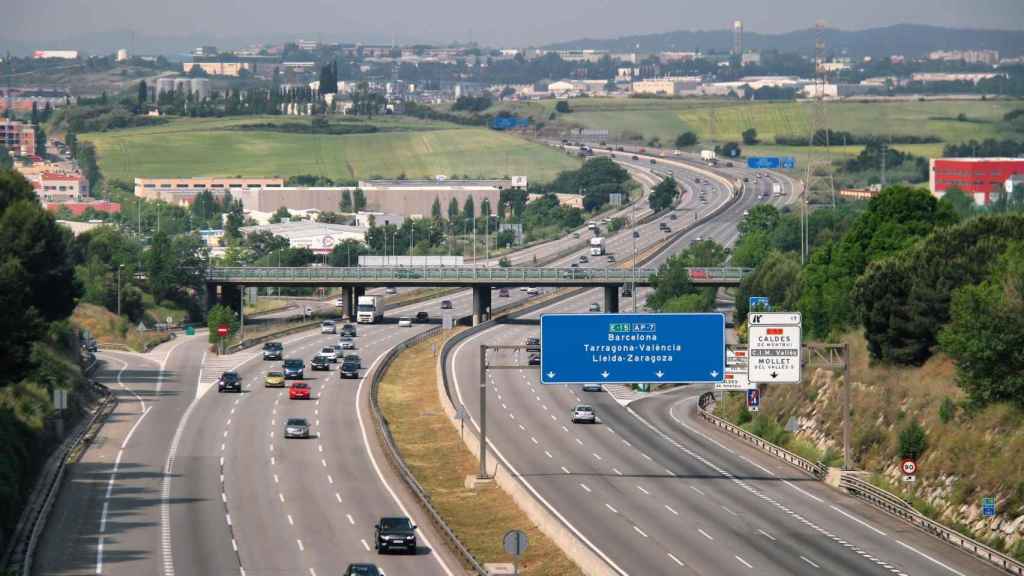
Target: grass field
211,147
666,119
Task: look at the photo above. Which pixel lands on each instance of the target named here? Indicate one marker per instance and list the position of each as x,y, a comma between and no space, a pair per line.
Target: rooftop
304,228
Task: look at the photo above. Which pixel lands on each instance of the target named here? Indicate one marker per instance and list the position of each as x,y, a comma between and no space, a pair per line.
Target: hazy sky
506,23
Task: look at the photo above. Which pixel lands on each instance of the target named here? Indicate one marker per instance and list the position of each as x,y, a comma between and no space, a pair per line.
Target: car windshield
351,358
584,409
329,349
300,385
292,363
365,308
230,376
363,570
349,366
275,374
296,422
395,524
404,319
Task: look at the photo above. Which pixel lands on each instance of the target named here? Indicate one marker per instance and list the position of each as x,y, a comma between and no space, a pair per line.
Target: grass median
435,454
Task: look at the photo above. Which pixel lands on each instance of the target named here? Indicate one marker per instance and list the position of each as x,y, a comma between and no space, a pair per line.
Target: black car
348,370
294,368
422,317
396,533
229,382
353,358
273,351
533,344
446,304
362,570
348,330
320,362
90,346
534,359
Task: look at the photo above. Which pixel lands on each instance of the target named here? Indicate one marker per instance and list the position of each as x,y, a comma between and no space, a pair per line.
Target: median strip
436,456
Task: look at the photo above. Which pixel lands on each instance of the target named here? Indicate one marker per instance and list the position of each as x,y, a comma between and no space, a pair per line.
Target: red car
299,391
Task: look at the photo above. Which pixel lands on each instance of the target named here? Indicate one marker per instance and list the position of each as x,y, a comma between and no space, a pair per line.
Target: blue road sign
759,303
754,399
988,507
632,348
763,162
506,122
788,162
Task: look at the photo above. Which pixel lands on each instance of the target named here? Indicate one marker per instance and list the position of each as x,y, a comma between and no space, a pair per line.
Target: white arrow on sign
604,374
551,374
714,373
659,373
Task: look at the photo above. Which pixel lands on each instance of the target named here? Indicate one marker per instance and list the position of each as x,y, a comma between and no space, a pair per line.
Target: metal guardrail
398,275
872,494
901,509
395,457
816,469
21,554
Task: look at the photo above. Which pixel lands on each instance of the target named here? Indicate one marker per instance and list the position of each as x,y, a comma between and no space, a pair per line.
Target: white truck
597,246
776,188
369,309
708,155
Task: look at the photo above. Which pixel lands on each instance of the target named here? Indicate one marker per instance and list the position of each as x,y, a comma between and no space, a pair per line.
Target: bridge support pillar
357,291
481,304
611,299
231,296
211,296
347,302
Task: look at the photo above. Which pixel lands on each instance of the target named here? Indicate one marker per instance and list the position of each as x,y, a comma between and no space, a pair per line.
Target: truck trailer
369,309
597,246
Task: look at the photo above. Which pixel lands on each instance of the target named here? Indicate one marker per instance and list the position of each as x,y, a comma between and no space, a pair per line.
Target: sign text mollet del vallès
774,347
632,348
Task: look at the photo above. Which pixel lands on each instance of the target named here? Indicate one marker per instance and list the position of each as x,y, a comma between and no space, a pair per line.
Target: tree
913,440
34,118
686,139
143,95
280,215
468,209
984,332
359,200
160,267
959,202
562,107
329,218
218,315
435,209
347,253
453,209
729,150
6,162
673,280
777,277
345,205
40,140
663,195
750,136
760,218
485,208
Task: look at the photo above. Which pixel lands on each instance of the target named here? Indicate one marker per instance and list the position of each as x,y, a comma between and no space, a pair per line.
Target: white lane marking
584,486
923,555
337,497
598,456
290,520
609,506
564,469
580,442
669,508
365,545
729,511
280,497
534,440
646,456
548,454
744,562
641,488
805,559
676,560
706,535
639,531
351,520
858,520
769,536
301,547
617,471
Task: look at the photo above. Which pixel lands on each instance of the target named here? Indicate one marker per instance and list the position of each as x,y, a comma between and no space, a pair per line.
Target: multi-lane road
186,480
652,490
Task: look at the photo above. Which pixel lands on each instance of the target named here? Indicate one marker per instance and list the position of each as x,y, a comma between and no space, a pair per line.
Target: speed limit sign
909,469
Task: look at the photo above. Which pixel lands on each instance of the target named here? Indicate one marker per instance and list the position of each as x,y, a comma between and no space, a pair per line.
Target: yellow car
274,379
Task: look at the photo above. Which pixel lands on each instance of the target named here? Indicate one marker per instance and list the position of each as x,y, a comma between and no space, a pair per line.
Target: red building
981,178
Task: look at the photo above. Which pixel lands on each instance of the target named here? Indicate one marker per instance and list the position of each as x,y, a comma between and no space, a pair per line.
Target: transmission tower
819,171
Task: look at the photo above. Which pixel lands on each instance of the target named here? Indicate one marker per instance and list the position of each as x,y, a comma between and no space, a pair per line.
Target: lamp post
119,268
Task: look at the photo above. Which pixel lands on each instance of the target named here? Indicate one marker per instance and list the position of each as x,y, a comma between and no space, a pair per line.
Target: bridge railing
454,274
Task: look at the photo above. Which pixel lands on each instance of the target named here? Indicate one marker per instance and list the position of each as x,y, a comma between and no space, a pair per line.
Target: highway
653,490
184,480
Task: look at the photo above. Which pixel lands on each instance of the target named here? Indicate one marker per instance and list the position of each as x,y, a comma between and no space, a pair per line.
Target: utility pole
818,171
119,268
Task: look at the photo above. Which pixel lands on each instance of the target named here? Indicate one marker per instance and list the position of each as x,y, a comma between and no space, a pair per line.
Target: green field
211,147
666,119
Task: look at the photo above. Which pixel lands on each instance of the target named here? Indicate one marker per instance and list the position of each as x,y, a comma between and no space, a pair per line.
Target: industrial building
984,179
18,137
318,237
668,86
58,54
184,190
199,87
54,187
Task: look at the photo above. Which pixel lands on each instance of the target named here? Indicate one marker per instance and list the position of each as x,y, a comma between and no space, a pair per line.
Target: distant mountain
911,40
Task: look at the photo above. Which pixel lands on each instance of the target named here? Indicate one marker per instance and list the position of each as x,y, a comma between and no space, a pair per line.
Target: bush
913,440
750,136
562,107
218,315
686,139
947,410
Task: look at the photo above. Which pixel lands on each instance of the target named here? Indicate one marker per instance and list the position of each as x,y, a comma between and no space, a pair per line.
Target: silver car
346,343
583,413
592,387
296,428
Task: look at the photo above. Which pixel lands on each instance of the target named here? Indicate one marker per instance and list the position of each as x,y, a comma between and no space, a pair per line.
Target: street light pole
119,268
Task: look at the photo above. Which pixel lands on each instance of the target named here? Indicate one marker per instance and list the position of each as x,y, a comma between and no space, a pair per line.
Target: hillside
911,40
971,452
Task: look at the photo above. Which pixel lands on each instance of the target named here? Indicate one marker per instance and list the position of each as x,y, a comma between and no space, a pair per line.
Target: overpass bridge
355,280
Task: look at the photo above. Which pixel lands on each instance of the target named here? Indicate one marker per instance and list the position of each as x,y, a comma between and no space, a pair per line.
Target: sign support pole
241,313
838,358
483,412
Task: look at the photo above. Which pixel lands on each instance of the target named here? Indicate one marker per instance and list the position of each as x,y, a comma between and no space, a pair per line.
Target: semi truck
776,188
597,246
708,156
369,309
